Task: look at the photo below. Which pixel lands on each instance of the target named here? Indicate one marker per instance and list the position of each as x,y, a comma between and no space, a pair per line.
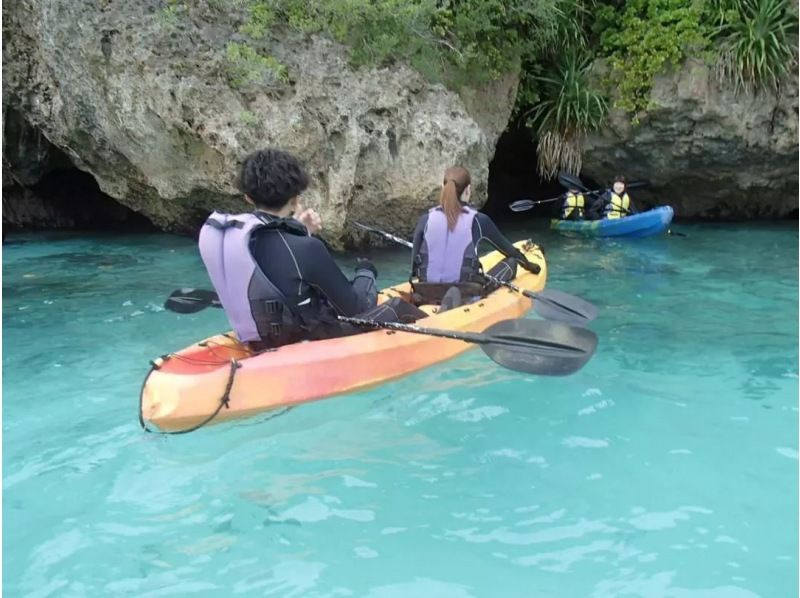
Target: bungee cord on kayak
224,401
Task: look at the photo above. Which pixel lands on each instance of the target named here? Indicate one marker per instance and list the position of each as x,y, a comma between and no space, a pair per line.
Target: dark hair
620,179
456,179
271,177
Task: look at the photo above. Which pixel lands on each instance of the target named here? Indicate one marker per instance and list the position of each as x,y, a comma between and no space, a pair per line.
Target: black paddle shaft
521,340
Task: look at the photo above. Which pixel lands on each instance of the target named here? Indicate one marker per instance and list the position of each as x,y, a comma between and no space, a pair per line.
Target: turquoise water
667,467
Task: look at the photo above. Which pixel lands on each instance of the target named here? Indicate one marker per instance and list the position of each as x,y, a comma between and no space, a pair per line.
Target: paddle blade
526,204
521,205
563,307
189,301
539,347
637,184
571,182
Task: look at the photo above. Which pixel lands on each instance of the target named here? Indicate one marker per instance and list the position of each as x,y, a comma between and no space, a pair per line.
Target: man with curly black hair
277,283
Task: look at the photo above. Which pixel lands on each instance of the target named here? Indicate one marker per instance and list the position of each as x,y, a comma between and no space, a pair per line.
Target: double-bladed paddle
532,346
571,182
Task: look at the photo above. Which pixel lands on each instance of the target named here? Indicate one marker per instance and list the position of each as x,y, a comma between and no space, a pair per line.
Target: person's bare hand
309,218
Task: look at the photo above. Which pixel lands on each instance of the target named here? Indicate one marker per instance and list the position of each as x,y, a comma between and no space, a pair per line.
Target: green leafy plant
645,37
247,66
261,18
453,41
758,42
568,108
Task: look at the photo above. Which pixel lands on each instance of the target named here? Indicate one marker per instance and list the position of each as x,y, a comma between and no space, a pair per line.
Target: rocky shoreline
148,112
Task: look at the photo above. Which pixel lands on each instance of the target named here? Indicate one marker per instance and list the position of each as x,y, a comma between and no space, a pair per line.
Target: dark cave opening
68,198
44,190
513,175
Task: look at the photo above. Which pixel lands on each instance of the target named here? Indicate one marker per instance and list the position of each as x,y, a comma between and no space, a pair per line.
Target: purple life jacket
256,309
448,255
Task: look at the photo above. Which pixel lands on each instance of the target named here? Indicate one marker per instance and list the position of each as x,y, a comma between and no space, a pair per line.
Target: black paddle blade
558,305
189,301
539,347
570,181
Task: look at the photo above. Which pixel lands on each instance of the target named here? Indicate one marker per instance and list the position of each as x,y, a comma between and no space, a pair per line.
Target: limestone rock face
148,101
709,152
27,154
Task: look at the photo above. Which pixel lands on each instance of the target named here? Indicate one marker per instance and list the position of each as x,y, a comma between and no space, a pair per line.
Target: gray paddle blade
539,347
552,304
522,205
189,301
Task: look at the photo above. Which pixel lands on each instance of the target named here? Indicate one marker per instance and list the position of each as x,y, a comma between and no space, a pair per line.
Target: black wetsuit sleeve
484,229
419,233
631,206
487,230
597,205
322,272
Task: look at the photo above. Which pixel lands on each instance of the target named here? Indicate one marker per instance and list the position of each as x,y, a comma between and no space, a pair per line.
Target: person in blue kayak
573,206
277,283
444,262
613,203
618,203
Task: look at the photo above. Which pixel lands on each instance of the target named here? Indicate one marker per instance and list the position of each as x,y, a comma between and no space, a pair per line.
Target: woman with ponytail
446,239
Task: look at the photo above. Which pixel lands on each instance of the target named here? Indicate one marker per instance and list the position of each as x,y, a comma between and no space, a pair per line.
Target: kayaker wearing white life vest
446,239
277,283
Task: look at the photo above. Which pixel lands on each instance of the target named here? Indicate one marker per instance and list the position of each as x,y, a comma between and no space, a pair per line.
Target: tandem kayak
189,387
645,224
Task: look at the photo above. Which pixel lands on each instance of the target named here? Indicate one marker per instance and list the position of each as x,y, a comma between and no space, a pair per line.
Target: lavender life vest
257,310
448,255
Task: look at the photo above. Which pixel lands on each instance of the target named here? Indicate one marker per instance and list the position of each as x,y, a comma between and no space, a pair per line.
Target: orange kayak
218,379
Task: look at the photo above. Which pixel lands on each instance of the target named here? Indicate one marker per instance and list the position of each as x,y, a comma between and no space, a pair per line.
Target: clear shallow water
667,467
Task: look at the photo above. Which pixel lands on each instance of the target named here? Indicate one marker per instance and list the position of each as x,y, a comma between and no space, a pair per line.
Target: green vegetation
568,108
247,66
169,14
644,38
757,42
552,44
752,42
449,41
248,118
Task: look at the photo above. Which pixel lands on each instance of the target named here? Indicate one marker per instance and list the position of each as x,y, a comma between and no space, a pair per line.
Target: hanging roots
558,152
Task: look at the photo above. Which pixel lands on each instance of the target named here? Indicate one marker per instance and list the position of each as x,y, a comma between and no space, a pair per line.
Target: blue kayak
644,224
